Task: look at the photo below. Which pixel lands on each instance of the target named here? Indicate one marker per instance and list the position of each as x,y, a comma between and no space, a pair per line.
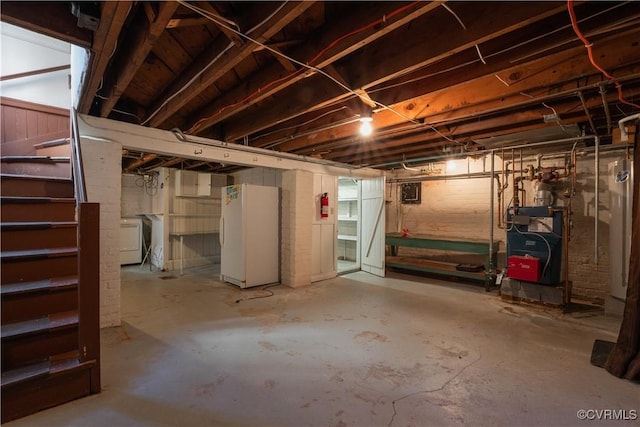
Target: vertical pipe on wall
565,242
596,212
491,213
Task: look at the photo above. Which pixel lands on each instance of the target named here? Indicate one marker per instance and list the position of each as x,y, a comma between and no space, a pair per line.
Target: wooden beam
500,124
140,162
487,92
224,62
112,19
214,9
420,48
170,162
187,21
131,56
52,18
334,39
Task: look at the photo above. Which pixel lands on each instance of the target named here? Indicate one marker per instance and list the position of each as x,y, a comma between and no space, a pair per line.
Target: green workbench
422,241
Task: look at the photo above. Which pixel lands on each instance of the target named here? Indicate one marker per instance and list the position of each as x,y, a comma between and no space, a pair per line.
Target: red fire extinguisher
324,205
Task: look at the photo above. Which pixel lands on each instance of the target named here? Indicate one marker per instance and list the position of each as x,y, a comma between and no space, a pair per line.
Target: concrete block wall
460,208
259,176
136,197
455,208
297,213
102,165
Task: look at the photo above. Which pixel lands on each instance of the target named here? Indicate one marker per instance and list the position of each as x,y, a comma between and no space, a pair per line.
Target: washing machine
130,241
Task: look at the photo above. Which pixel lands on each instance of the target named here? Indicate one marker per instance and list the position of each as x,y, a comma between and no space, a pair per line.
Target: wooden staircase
49,286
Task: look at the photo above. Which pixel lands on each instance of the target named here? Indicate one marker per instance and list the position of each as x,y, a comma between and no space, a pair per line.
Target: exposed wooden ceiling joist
130,57
220,63
367,70
106,36
332,44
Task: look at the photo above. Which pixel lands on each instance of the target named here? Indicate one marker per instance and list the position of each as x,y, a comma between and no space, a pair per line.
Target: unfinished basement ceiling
297,76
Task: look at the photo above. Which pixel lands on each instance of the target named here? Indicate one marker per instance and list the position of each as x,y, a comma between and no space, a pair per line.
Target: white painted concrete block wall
460,208
102,163
135,200
297,213
456,208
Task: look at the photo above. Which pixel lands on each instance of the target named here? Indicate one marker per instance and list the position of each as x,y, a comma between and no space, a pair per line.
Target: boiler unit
534,244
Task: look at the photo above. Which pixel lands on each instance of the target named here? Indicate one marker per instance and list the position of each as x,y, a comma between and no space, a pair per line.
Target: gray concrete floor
352,351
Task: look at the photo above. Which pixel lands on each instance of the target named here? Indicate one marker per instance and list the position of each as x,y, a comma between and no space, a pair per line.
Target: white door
373,226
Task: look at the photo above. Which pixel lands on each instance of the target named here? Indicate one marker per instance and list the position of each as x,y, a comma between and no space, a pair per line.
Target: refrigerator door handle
221,231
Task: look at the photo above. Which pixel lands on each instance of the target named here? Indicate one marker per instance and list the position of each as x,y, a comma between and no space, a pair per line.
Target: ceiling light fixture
365,126
365,122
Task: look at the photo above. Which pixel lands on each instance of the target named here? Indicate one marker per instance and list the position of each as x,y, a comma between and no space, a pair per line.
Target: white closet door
373,226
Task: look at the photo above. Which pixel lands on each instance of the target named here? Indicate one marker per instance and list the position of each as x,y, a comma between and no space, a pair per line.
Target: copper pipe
516,202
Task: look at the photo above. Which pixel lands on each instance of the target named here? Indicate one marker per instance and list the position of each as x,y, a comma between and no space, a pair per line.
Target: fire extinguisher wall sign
324,205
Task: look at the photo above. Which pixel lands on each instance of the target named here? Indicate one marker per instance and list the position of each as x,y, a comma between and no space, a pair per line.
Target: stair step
33,265
50,323
33,235
50,285
36,225
36,165
12,256
36,186
56,364
35,159
15,208
25,373
31,300
31,390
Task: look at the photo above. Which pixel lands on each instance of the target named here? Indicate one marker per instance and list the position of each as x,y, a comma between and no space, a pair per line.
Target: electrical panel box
540,237
525,268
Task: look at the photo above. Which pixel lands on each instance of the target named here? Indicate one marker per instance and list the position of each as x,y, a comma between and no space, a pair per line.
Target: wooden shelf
347,237
191,215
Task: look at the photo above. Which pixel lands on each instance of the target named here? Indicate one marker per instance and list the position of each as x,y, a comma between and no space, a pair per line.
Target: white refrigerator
249,235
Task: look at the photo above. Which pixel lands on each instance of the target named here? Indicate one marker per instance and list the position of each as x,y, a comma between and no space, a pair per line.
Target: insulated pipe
477,153
596,213
624,135
180,136
418,178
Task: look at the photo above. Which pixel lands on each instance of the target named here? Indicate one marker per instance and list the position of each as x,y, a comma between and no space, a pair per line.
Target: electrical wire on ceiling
298,125
589,46
500,52
464,27
211,16
299,70
318,70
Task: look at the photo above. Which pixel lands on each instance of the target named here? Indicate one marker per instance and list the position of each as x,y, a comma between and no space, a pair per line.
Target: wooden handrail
76,160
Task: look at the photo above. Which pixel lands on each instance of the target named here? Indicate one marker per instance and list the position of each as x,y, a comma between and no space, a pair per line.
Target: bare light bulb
365,126
451,165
